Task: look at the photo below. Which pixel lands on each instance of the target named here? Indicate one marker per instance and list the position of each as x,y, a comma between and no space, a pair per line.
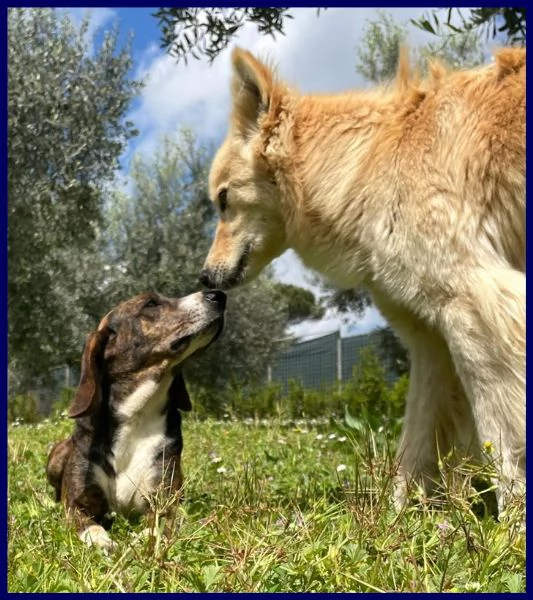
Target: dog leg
89,531
170,493
86,507
55,466
485,329
437,414
96,535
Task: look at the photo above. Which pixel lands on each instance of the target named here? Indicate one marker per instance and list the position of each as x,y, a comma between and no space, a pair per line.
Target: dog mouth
237,276
220,328
183,342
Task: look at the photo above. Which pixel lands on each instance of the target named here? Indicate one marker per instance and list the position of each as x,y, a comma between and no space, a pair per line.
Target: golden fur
415,191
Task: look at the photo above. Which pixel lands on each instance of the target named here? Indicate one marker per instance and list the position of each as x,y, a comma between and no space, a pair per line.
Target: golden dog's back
461,138
478,150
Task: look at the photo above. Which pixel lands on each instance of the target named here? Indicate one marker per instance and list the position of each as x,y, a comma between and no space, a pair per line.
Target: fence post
339,361
67,375
269,374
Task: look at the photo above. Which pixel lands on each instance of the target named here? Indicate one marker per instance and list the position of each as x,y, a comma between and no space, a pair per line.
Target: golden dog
415,191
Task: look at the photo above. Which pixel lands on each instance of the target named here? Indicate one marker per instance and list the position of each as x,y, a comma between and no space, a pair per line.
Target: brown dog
127,438
415,191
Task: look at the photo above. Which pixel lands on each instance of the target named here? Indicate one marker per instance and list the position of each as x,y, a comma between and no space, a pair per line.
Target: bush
367,395
65,398
23,408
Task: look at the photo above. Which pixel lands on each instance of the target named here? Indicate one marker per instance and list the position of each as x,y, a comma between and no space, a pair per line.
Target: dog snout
206,279
217,297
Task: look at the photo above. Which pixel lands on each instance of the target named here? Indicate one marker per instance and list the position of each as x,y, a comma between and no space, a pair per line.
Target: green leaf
351,421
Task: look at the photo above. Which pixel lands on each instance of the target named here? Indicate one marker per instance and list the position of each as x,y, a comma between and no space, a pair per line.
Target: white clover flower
332,436
342,438
319,437
222,470
341,468
214,457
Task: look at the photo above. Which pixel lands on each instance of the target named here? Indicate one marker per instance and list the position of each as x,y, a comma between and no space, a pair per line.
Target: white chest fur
138,440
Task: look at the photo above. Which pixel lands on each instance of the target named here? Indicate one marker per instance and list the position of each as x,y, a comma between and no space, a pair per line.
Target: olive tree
66,132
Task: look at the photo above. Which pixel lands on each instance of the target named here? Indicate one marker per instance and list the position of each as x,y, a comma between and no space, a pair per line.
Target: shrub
367,395
63,402
23,408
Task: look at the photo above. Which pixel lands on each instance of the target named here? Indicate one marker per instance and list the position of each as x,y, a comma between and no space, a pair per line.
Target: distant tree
351,302
199,32
379,49
462,50
391,350
507,21
157,237
66,131
301,303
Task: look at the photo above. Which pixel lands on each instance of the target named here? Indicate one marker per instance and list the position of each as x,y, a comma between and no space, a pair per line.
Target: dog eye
223,199
151,303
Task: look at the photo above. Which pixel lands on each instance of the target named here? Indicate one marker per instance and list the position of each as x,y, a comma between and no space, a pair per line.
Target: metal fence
47,393
323,361
317,364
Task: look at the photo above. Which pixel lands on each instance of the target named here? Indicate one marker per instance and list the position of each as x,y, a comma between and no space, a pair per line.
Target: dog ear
178,394
251,88
88,395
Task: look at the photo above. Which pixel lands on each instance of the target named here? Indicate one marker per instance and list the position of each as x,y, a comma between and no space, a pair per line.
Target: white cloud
312,329
370,320
288,268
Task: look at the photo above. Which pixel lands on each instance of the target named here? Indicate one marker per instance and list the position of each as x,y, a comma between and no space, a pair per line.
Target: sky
317,54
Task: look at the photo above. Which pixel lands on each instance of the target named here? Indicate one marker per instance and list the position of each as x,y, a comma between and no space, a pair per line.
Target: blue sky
317,54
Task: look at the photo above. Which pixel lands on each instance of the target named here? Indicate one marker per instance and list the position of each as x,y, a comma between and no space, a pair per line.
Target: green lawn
270,506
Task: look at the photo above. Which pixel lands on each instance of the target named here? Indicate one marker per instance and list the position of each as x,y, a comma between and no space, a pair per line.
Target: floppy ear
178,394
88,395
251,90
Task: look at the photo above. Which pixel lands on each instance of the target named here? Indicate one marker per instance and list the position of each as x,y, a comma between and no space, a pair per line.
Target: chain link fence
317,364
323,361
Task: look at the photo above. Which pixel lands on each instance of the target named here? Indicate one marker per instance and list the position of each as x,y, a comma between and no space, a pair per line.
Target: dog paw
95,535
146,534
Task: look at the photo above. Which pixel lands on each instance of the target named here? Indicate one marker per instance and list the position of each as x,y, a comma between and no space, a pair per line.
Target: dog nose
205,279
217,297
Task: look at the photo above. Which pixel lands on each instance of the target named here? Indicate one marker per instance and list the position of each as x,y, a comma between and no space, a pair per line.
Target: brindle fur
133,344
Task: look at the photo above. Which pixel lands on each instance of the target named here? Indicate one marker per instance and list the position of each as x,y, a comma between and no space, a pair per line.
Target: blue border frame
3,295
4,215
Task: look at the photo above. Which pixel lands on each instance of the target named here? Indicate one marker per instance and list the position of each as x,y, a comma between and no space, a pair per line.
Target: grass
270,507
